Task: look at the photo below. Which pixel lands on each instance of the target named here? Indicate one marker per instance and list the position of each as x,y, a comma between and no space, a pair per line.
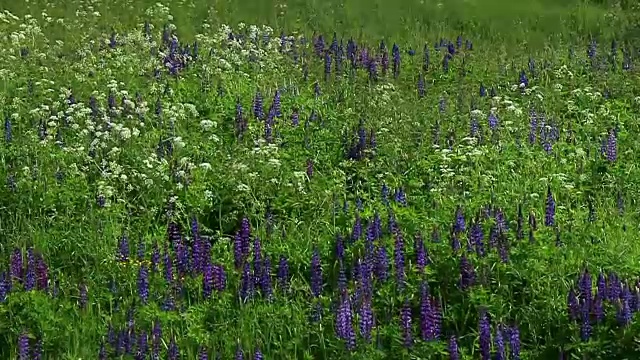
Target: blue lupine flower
514,343
484,331
405,324
550,212
499,344
7,129
143,283
452,349
399,259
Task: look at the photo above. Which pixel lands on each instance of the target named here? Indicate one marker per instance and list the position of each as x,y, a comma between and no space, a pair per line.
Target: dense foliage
304,192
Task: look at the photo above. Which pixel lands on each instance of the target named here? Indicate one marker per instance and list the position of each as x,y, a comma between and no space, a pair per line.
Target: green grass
48,201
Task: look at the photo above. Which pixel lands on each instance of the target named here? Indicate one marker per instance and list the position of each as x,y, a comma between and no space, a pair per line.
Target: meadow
319,180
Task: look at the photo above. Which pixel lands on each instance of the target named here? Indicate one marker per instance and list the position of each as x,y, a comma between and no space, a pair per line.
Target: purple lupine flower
400,197
452,349
493,121
309,168
474,127
155,257
173,352
421,86
276,104
30,277
421,254
258,108
523,81
484,332
327,65
344,322
585,287
247,282
436,312
493,237
514,343
143,346
16,265
591,50
614,289
612,146
182,257
624,313
550,212
168,267
366,318
120,343
520,224
459,225
597,308
503,248
385,194
143,283
357,229
258,355
572,305
483,90
340,247
427,326
381,270
156,335
601,285
405,324
123,249
365,276
455,242
499,344
467,273
239,354
585,326
501,222
238,250
342,277
202,353
316,274
102,353
83,296
316,90
265,280
476,237
283,274
23,346
5,286
219,277
295,118
399,259
241,123
141,251
7,130
376,227
207,281
445,62
168,303
532,221
197,246
425,58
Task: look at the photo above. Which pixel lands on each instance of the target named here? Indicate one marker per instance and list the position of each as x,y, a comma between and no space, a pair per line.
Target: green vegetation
131,161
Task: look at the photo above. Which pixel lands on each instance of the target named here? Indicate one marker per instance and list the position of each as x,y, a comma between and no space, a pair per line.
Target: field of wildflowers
319,180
